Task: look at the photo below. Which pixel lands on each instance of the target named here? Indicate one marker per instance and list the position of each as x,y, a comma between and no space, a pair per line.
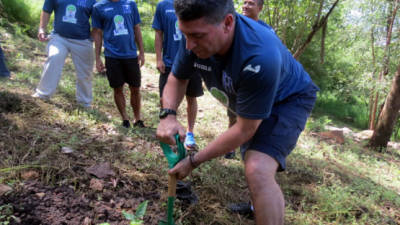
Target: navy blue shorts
277,135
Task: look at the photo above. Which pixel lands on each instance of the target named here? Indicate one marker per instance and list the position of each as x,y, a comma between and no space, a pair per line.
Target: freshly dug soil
33,204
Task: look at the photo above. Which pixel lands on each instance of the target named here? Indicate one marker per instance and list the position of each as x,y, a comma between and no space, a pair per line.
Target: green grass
24,12
352,111
148,39
324,183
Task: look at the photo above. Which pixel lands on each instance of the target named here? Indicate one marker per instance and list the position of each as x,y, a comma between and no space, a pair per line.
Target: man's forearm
138,38
158,44
44,20
238,134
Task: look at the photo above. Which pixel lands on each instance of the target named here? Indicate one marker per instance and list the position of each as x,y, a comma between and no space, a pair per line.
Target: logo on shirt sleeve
70,12
178,33
119,26
250,68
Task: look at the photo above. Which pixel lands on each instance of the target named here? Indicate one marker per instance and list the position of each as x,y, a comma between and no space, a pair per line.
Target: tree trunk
388,116
321,5
268,12
373,89
322,54
318,25
386,58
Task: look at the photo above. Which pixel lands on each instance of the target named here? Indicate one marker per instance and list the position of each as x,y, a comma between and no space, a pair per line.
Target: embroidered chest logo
70,12
202,67
178,33
254,69
108,9
228,83
127,9
82,3
119,26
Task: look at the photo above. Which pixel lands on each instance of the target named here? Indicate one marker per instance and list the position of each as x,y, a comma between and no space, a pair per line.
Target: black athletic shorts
194,88
121,71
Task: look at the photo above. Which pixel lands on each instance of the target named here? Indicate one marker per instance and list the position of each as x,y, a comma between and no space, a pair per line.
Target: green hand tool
172,159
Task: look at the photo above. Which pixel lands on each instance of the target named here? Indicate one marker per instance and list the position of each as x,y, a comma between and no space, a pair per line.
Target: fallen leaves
4,189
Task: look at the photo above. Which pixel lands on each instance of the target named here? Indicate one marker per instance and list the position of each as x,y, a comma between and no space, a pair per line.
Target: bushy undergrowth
352,111
325,183
24,12
148,39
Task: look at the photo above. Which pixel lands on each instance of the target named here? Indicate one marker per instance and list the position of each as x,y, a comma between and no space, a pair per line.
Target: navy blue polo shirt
71,17
117,20
256,73
266,25
165,20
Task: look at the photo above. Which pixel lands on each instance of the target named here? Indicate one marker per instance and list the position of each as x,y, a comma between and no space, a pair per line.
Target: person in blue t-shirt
251,9
71,34
118,23
167,38
4,72
248,69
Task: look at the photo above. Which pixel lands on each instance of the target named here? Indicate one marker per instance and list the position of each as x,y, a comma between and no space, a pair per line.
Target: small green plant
136,219
6,214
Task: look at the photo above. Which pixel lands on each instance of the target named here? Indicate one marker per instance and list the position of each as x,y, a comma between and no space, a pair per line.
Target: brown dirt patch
34,203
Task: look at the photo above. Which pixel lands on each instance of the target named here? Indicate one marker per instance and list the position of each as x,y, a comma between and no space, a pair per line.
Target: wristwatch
165,112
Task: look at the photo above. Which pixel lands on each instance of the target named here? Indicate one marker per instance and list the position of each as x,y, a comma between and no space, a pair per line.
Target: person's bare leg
266,195
119,99
191,112
135,102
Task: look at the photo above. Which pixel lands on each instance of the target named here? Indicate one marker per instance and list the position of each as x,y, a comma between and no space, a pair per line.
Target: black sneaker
139,124
230,155
242,208
185,193
126,124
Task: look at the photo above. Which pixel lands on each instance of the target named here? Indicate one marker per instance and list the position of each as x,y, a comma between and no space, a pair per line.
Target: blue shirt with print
257,72
71,17
117,20
166,21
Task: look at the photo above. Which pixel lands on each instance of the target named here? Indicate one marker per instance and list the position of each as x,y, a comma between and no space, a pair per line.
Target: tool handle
172,157
172,185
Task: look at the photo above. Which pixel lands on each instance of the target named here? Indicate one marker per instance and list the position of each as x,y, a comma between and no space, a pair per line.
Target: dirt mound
10,102
14,103
4,122
33,203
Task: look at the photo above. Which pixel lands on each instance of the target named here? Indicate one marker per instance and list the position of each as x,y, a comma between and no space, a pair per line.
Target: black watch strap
165,112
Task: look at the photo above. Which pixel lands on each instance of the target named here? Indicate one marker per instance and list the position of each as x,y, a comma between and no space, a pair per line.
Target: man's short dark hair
260,2
214,11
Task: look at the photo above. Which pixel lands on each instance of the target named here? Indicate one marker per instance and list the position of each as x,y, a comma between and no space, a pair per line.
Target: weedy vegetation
325,182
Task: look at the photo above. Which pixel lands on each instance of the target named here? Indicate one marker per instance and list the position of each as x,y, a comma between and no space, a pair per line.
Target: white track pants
83,59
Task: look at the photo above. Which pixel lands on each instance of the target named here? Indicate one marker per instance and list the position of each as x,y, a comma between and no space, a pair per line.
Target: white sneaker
37,95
